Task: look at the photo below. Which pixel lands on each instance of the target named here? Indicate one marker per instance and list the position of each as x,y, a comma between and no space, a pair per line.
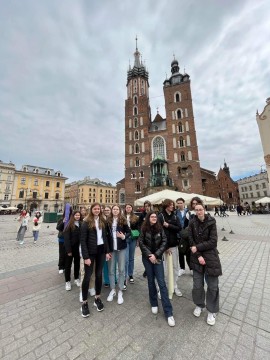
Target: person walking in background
95,249
205,263
171,226
118,231
72,234
181,212
153,243
216,211
132,221
23,223
37,225
60,227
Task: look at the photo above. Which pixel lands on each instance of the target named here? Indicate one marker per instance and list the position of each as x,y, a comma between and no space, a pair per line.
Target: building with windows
163,152
88,191
263,121
7,171
254,187
38,188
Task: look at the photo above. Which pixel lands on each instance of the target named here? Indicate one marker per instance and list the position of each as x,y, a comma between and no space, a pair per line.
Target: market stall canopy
264,200
158,197
208,200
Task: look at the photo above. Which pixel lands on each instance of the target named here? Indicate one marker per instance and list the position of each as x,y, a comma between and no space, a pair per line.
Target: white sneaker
197,311
92,292
191,272
111,295
181,272
120,299
61,271
211,318
68,286
21,243
159,295
77,282
177,292
171,321
154,310
81,299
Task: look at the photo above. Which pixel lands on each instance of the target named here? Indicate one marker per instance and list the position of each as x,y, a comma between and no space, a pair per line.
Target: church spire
137,55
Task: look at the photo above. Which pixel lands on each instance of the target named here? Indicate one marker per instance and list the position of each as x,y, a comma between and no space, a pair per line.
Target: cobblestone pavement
40,320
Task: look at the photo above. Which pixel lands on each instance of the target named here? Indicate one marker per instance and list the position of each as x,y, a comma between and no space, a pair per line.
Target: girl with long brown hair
118,232
95,249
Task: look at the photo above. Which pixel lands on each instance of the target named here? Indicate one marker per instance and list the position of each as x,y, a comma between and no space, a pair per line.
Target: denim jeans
35,234
212,293
157,271
130,253
118,257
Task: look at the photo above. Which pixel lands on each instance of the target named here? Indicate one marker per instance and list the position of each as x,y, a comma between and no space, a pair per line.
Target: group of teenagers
102,244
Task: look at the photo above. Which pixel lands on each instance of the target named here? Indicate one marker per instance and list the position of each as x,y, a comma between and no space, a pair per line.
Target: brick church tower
163,153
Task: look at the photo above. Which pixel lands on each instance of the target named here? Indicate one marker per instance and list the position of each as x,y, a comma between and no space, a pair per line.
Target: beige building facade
88,191
263,121
38,188
7,173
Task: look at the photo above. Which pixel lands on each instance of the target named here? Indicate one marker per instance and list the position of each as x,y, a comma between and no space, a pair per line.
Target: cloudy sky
63,78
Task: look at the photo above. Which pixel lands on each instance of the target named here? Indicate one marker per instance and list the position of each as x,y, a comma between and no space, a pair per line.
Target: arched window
122,198
135,110
135,100
135,122
133,175
135,86
189,155
137,162
180,128
136,135
141,174
158,147
137,187
179,114
181,141
182,156
137,148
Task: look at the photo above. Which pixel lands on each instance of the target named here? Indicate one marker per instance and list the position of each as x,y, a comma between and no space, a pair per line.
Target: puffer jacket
153,244
172,230
121,244
203,235
89,241
72,237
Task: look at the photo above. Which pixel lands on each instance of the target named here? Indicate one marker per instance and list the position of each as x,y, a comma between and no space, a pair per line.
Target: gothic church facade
159,153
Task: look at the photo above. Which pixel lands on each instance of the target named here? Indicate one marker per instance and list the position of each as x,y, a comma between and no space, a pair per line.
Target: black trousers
97,260
212,293
62,256
182,259
68,263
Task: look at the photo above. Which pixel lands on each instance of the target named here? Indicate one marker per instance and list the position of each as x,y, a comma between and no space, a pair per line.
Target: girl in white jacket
23,219
37,225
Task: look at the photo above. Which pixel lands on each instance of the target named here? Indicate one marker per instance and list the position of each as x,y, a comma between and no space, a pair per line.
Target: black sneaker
144,274
106,285
125,286
98,304
85,310
131,280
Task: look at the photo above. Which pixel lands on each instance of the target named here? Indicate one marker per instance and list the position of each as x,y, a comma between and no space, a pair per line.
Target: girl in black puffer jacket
153,243
204,262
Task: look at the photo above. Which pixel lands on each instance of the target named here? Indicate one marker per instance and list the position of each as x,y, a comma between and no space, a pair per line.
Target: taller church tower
162,153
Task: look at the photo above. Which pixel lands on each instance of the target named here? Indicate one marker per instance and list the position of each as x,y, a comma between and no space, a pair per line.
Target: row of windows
36,171
141,175
47,183
100,190
35,195
257,186
251,195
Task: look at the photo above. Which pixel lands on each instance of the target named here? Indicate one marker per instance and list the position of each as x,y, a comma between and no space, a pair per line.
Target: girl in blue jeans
153,243
132,221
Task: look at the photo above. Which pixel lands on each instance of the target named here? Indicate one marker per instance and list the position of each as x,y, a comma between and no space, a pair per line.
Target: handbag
135,234
183,242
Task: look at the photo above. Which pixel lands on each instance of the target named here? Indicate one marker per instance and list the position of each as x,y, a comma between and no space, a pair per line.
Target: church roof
158,118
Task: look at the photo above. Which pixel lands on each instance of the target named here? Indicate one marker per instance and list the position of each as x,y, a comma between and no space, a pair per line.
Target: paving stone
45,348
59,350
76,351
